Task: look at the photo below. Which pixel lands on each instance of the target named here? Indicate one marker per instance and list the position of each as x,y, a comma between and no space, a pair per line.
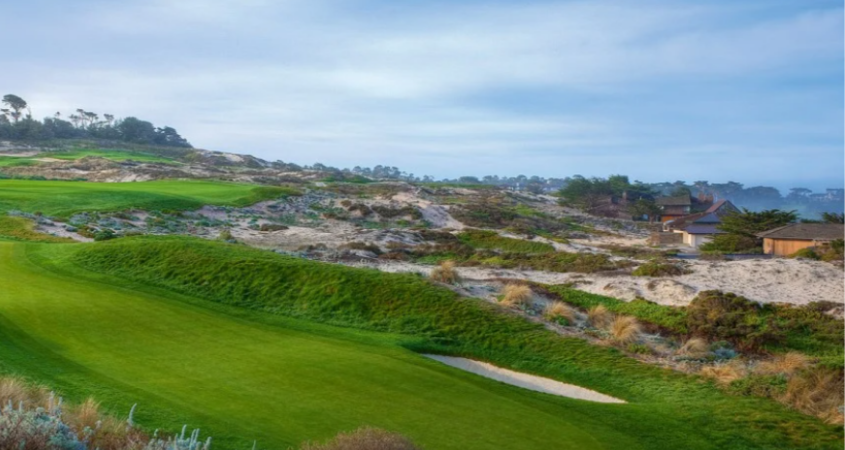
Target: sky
749,91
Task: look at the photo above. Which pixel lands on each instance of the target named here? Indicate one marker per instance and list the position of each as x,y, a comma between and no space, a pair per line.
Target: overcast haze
750,91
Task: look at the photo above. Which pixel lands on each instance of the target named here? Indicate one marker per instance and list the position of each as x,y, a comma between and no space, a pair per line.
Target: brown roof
807,232
681,200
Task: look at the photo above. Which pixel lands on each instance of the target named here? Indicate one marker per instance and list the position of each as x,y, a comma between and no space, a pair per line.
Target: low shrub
445,273
715,315
559,312
817,391
725,373
695,348
516,295
625,330
600,317
806,253
660,269
785,364
225,235
104,235
365,439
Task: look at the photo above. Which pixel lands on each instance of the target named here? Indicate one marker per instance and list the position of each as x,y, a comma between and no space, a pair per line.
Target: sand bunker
524,380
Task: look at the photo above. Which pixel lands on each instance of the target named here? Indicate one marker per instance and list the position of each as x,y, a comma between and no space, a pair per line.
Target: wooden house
700,228
787,240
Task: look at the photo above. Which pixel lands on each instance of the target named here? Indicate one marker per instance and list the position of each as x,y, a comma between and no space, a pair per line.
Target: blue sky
750,91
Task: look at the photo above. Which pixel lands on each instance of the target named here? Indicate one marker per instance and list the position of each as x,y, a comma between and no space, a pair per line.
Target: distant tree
681,191
16,105
798,193
749,224
832,217
644,207
138,131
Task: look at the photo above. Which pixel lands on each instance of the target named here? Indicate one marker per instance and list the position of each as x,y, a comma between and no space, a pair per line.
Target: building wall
784,247
695,240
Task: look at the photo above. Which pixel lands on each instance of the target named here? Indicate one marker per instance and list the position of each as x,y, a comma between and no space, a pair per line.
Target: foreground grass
241,375
61,199
666,409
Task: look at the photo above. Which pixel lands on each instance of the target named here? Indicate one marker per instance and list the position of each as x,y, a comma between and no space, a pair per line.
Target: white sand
776,280
524,380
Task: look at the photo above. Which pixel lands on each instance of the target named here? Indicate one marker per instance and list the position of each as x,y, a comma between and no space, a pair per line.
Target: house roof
807,232
681,200
708,218
703,228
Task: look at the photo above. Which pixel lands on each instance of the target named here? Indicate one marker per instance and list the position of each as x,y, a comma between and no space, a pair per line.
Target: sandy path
524,380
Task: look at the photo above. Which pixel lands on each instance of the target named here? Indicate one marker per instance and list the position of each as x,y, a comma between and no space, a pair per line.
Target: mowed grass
665,409
61,199
279,381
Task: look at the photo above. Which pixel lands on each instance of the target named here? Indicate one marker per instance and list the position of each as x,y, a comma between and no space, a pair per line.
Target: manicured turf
225,360
240,380
61,199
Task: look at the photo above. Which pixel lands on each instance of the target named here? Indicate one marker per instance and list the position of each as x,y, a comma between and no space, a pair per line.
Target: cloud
450,87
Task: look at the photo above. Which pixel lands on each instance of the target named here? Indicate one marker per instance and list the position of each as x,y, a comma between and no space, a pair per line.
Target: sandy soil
525,380
764,280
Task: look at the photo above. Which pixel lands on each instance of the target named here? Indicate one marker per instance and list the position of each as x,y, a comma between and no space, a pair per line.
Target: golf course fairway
242,375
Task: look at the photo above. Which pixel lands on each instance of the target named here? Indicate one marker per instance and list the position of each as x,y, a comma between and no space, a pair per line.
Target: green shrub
485,239
731,243
715,315
660,269
806,253
104,235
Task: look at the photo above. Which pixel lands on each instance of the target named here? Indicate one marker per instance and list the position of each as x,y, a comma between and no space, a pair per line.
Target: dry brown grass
108,433
516,294
725,373
600,317
695,348
558,310
818,392
365,439
18,392
786,364
625,330
445,273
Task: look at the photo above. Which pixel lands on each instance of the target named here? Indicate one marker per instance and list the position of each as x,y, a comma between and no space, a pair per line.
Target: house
787,240
674,207
700,228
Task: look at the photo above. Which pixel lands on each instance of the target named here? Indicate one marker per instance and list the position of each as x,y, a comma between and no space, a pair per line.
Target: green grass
14,161
61,199
666,409
241,375
111,154
491,240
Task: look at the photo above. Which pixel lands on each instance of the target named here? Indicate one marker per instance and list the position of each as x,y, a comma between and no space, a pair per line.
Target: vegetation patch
21,228
660,269
484,239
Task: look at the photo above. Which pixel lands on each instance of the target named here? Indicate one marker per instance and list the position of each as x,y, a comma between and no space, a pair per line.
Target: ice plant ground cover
200,333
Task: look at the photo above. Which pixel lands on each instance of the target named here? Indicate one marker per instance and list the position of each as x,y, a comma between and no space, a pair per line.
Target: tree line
17,124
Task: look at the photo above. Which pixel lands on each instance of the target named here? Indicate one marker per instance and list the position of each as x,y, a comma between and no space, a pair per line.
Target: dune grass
20,228
483,239
665,409
61,199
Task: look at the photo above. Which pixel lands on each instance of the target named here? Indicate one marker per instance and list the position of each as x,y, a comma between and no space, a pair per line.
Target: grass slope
61,199
110,154
667,409
241,375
